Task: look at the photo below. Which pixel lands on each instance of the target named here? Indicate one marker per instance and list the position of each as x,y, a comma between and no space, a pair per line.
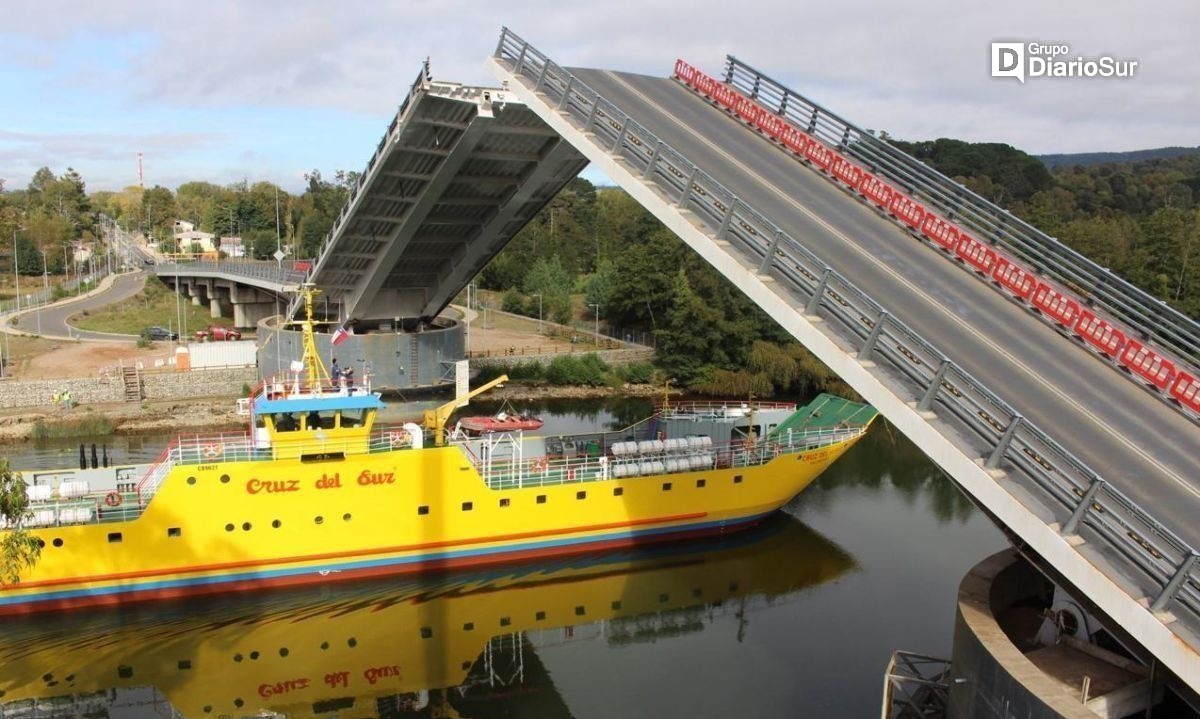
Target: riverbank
214,414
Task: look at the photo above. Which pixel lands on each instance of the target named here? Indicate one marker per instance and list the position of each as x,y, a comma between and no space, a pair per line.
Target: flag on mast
340,335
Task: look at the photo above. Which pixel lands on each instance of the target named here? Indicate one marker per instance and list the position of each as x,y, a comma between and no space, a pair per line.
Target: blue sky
226,90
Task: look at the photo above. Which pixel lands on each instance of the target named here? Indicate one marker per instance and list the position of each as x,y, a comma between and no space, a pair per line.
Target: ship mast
313,366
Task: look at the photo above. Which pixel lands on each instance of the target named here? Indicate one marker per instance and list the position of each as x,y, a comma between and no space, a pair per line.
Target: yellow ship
314,490
444,646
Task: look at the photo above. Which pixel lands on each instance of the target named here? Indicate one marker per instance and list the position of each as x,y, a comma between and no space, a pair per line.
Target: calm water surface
795,618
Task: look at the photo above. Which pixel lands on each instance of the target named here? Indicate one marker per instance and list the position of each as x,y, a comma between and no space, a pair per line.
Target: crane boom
435,419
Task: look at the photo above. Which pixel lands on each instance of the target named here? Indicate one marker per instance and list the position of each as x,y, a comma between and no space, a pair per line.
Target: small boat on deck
500,422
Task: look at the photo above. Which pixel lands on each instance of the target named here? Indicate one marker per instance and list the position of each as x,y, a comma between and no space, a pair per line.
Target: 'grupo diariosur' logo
1037,60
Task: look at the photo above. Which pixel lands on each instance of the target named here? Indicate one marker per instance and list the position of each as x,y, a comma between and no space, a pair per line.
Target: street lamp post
596,335
539,296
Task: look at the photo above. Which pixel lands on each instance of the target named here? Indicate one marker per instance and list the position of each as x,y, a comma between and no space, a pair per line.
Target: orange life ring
212,450
541,464
112,499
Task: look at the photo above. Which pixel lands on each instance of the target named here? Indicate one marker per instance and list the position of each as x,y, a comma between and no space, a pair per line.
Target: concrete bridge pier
251,305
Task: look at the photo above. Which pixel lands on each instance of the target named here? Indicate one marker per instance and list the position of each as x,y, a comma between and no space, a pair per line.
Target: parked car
159,333
216,333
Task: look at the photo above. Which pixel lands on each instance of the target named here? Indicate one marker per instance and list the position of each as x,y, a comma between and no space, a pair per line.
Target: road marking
916,290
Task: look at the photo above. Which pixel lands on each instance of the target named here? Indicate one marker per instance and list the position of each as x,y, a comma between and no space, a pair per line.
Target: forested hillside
1139,219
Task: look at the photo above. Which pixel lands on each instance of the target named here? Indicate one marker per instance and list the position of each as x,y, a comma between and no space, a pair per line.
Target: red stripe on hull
135,596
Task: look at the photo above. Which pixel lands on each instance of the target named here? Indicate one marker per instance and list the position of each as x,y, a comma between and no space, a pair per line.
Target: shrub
588,370
637,373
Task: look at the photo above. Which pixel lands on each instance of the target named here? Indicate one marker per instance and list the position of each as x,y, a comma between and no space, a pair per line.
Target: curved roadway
53,318
1132,439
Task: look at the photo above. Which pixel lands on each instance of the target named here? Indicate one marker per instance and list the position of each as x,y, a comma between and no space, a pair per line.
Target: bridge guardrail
257,269
1066,485
1153,319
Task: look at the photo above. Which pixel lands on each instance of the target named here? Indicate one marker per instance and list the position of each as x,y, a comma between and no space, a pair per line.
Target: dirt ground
83,359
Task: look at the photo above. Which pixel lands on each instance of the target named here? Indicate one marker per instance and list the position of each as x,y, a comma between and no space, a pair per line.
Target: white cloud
917,69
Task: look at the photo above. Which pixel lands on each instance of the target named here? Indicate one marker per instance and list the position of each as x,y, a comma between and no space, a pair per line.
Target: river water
794,618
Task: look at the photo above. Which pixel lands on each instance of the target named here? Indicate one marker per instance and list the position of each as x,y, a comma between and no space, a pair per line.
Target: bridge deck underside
1129,437
460,175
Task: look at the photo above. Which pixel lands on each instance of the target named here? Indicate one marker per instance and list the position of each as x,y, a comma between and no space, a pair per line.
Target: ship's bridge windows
320,420
286,422
353,417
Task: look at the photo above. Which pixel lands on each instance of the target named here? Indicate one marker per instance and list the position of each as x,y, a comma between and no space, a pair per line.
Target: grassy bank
155,305
88,425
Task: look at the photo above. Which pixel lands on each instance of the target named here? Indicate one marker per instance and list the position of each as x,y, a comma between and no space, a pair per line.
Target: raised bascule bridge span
1063,400
459,171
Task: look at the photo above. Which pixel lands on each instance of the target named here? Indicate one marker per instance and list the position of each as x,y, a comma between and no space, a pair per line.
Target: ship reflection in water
463,644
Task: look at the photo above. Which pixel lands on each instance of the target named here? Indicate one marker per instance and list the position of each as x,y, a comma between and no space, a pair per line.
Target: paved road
53,318
1136,442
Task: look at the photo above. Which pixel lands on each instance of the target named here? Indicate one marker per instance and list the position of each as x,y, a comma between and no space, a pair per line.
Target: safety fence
1111,316
1061,481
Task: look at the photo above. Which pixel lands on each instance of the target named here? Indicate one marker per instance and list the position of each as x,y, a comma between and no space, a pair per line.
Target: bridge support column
249,314
214,307
197,300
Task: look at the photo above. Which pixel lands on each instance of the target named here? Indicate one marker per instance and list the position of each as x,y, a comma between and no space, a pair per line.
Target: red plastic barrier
794,140
940,231
724,95
773,126
820,155
1100,333
1153,367
908,210
1058,306
1017,279
848,172
876,190
1187,390
685,72
975,253
747,109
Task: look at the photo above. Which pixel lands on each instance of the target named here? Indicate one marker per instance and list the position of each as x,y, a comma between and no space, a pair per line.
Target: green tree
21,550
159,211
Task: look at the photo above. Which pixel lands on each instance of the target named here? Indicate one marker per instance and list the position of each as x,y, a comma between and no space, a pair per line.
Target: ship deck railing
688,410
541,471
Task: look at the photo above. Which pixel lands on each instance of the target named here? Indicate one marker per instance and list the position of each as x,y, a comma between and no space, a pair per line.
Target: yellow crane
435,419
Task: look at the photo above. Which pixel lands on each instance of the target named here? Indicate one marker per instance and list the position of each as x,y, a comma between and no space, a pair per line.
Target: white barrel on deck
39,492
41,518
650,446
75,515
73,488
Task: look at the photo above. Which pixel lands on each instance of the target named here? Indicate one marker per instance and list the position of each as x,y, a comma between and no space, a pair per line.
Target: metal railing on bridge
266,270
1062,482
1149,316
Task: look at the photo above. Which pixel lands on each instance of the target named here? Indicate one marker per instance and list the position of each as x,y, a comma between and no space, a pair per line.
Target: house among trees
232,247
189,239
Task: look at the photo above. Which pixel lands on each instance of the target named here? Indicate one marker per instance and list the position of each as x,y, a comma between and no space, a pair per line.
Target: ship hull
239,526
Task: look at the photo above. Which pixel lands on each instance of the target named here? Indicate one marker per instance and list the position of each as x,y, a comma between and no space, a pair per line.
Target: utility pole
141,178
596,336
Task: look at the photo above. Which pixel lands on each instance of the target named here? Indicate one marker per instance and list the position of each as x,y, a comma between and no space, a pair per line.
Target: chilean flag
339,335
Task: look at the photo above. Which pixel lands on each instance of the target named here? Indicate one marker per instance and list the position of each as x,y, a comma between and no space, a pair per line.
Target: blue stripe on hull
351,566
